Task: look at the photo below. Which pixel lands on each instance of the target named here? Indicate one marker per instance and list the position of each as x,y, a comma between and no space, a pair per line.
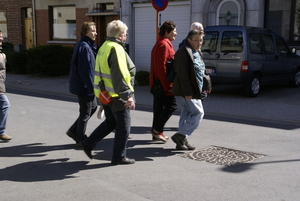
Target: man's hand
130,104
189,97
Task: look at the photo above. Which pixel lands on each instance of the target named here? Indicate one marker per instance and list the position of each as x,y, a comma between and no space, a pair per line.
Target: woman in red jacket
164,103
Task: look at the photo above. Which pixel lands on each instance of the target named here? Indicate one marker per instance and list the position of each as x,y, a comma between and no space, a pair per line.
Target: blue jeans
191,114
119,121
87,107
4,105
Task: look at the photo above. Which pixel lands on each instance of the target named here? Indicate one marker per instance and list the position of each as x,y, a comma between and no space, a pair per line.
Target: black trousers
87,107
163,108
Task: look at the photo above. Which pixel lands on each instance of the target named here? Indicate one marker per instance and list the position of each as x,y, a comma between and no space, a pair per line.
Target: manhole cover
222,156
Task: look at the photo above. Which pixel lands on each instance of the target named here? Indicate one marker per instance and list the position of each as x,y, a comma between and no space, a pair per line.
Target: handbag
157,89
104,97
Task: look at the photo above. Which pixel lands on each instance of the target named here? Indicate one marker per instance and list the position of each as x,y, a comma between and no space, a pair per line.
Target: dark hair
194,32
167,26
85,27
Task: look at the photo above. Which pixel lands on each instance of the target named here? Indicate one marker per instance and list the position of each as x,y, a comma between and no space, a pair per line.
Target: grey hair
197,26
115,27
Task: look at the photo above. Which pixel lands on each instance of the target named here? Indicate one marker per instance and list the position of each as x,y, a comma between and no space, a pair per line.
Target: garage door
144,28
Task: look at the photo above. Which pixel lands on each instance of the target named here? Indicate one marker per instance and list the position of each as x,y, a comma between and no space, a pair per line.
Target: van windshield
232,41
210,41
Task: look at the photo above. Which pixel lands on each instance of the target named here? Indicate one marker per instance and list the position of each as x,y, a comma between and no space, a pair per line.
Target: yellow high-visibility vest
102,70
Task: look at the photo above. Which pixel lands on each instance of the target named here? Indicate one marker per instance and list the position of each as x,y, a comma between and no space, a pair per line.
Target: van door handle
217,55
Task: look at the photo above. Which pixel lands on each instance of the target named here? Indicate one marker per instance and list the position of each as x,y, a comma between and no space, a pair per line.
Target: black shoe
87,150
178,139
189,146
123,161
71,135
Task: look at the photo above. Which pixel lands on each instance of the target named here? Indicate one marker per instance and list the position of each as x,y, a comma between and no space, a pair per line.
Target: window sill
61,42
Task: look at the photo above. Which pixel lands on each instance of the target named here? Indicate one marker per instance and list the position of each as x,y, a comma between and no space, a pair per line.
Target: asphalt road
41,162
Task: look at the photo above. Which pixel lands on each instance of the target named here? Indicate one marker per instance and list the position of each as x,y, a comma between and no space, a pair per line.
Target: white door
144,28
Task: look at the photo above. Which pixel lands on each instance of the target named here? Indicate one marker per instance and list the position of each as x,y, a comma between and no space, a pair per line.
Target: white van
249,56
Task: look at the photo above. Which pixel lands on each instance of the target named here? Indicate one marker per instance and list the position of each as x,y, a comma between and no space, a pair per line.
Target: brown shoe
5,137
188,145
178,139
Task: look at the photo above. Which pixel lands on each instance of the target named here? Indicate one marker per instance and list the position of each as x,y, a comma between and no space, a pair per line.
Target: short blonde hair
115,27
86,27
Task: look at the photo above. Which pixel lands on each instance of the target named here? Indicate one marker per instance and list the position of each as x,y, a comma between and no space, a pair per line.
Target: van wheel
296,80
253,87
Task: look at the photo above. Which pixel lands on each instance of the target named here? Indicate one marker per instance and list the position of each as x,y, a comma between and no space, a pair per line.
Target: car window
232,41
281,46
268,43
255,46
210,41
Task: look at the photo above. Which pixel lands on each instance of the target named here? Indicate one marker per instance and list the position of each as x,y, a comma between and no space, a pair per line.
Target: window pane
3,26
210,41
228,14
282,47
279,16
232,41
64,23
255,46
268,44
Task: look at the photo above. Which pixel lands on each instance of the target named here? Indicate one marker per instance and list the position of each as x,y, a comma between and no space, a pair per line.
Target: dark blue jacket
81,80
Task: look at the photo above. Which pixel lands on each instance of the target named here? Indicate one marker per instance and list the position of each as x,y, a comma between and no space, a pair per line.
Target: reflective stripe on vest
102,70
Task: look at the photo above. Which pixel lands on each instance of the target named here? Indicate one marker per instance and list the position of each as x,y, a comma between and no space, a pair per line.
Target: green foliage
50,60
16,62
7,47
142,78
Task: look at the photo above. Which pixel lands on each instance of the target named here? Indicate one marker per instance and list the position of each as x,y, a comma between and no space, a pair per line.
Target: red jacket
162,52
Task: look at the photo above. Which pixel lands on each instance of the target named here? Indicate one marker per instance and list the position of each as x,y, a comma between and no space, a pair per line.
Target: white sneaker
100,114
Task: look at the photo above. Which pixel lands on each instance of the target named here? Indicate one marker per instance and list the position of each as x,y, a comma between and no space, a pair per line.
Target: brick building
58,22
16,21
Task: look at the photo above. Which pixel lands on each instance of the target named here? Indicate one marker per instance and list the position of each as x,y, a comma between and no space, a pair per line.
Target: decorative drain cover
222,156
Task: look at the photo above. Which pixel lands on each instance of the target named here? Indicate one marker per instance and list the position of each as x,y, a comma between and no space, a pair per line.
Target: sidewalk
268,106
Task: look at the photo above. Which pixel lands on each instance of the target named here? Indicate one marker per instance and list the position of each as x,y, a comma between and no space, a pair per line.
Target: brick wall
14,19
42,28
43,32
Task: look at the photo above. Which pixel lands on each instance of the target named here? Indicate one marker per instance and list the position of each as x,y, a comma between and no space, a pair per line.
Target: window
283,17
210,41
255,46
3,25
268,43
282,47
232,41
228,13
64,22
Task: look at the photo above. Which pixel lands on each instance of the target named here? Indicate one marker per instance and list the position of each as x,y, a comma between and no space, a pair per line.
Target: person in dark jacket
196,26
4,102
188,85
81,80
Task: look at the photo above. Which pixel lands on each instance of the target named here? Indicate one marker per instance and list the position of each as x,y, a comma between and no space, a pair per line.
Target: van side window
255,46
268,44
210,41
281,46
232,41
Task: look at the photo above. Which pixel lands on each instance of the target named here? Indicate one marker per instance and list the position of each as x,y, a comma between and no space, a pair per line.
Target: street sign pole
159,5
